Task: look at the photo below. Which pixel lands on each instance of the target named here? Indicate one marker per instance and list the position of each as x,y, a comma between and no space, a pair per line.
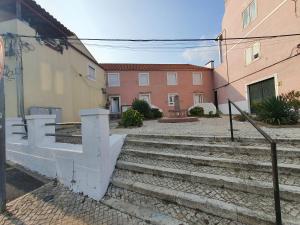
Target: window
113,79
249,14
198,98
197,78
171,99
252,53
91,73
143,79
172,78
145,97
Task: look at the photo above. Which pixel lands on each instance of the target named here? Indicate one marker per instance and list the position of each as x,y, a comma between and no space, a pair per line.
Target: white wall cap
14,119
33,117
93,112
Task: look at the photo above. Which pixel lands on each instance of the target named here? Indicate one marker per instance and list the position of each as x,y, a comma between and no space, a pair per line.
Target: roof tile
150,67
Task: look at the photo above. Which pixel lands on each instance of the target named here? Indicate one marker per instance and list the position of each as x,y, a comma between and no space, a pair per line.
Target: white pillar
37,130
95,132
10,129
95,144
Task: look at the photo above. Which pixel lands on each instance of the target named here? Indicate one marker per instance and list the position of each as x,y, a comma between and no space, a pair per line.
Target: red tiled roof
150,67
36,8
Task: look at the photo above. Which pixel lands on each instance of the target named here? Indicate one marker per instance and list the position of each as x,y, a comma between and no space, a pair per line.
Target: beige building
52,71
254,69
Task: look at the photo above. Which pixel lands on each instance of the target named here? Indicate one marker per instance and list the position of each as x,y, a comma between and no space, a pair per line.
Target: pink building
158,84
252,70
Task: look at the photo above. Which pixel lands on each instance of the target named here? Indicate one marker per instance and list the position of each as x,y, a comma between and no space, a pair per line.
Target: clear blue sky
142,19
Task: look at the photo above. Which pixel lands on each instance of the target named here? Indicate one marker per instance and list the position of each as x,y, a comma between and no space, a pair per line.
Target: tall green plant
276,110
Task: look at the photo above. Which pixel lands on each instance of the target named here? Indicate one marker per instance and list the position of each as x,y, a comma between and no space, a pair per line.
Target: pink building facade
254,69
158,84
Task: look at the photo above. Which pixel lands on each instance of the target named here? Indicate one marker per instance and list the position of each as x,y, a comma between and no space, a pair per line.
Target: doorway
115,103
261,91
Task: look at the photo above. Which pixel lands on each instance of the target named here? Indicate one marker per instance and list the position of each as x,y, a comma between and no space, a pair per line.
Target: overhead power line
160,40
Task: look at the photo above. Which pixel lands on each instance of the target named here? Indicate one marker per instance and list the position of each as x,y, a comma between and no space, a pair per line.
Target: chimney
210,64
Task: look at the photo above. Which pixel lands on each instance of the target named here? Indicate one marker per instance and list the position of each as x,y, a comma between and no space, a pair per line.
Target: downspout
19,68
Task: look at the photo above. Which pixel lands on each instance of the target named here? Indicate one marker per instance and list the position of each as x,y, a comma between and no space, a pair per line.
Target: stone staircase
178,180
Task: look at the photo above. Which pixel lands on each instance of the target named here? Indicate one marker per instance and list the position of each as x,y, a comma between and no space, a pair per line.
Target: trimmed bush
278,111
156,113
197,111
131,118
142,107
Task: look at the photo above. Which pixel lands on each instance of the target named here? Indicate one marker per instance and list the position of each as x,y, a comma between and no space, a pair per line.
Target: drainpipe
19,67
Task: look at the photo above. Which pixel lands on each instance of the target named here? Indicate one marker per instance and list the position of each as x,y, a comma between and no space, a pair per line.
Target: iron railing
63,135
273,155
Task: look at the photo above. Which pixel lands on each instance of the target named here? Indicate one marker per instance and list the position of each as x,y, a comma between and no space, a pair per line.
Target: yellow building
54,70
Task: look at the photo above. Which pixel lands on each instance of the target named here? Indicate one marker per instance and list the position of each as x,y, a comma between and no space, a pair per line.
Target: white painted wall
84,168
206,106
242,104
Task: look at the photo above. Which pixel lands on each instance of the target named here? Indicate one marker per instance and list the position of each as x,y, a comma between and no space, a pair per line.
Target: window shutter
256,50
248,56
253,11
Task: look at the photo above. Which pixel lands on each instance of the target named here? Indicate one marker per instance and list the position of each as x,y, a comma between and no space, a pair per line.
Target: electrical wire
159,40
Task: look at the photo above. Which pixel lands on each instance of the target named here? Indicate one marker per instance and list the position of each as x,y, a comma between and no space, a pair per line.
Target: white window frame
251,14
168,80
194,98
149,96
169,95
143,74
195,78
113,85
251,52
93,78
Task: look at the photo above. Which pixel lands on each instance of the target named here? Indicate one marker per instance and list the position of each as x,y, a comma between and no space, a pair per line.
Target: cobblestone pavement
239,198
239,173
207,126
58,205
190,216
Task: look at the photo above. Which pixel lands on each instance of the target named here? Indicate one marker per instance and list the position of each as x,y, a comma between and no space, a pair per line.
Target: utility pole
2,130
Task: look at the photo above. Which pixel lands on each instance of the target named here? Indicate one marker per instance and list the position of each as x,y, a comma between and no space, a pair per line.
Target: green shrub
156,113
142,107
197,111
131,118
277,111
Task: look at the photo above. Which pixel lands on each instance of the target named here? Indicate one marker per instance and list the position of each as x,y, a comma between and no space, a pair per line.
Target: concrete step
244,174
235,205
285,142
168,209
287,192
246,163
143,213
244,156
196,147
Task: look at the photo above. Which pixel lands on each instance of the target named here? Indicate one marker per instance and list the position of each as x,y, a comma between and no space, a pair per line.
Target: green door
261,91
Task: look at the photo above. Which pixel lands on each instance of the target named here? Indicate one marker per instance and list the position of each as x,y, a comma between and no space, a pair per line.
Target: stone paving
221,155
239,198
207,126
55,204
190,216
239,173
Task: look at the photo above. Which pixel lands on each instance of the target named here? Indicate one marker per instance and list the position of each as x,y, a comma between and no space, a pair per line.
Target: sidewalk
55,204
20,182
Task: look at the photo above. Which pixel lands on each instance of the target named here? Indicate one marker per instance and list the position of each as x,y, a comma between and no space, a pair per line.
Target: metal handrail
63,124
63,135
19,125
273,154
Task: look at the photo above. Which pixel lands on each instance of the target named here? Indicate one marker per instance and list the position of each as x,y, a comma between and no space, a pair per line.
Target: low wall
84,168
